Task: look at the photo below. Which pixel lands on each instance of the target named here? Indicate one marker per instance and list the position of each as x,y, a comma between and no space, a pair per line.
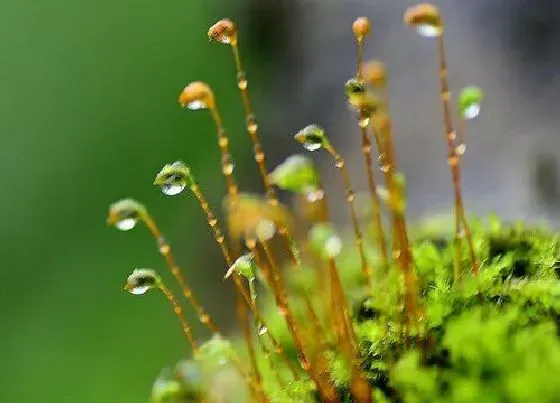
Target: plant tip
124,214
141,281
197,95
173,178
361,28
426,18
297,174
312,137
470,99
224,31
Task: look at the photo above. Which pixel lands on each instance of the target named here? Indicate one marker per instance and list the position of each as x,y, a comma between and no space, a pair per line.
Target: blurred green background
88,115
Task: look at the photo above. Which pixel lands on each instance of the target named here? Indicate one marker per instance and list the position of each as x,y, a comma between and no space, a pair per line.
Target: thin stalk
227,163
340,165
165,250
277,286
260,157
178,310
375,202
453,158
219,237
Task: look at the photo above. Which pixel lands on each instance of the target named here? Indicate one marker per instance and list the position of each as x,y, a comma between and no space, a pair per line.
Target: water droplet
163,246
242,84
140,281
383,163
139,290
262,330
312,137
315,195
471,112
251,123
396,254
204,318
339,163
333,246
172,188
227,168
429,31
126,224
363,121
460,149
196,105
303,362
452,136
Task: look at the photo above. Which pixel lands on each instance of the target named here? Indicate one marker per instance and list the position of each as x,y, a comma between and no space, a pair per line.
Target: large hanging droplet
173,178
141,281
125,214
469,102
425,18
312,137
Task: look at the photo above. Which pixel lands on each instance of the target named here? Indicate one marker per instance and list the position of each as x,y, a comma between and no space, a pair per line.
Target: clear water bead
126,224
139,290
262,330
172,188
311,146
196,105
471,112
428,31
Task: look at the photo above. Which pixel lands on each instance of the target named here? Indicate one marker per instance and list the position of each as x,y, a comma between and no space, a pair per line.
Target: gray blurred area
510,48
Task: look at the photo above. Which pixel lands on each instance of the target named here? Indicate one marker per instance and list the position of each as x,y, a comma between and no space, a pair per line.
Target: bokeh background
88,115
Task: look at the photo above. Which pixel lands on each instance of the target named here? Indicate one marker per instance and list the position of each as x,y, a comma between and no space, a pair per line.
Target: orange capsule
224,31
197,95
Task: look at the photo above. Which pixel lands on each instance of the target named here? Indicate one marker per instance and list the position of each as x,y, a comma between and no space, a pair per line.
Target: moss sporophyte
380,318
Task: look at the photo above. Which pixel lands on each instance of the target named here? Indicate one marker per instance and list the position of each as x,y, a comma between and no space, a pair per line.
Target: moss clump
501,344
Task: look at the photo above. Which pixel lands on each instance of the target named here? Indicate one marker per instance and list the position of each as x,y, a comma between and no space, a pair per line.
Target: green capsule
325,241
215,353
173,178
124,214
245,266
183,383
297,174
469,101
141,281
312,137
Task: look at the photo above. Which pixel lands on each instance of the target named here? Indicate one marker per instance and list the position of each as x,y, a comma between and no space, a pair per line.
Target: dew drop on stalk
469,101
315,195
428,31
228,168
262,330
126,224
312,137
363,121
196,105
141,281
173,178
172,188
460,149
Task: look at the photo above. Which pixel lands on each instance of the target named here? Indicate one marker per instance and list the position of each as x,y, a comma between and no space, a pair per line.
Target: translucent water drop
139,290
303,362
251,123
428,31
126,224
315,195
333,246
363,121
163,246
469,101
460,149
172,189
312,137
242,84
311,146
196,105
262,330
141,281
228,168
471,112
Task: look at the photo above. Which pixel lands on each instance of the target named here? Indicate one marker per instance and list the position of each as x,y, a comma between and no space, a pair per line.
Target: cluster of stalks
264,228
